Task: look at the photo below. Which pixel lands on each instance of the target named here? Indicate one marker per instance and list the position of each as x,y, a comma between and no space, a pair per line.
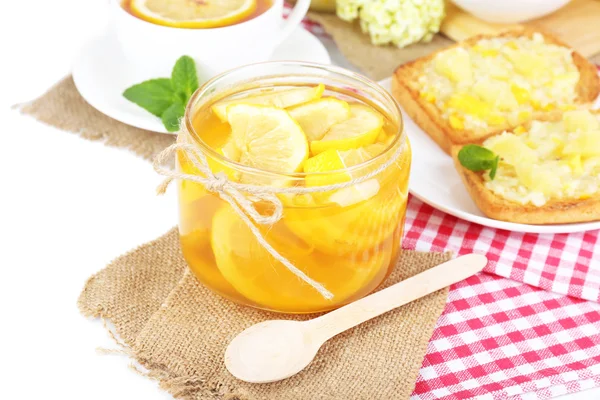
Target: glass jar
347,239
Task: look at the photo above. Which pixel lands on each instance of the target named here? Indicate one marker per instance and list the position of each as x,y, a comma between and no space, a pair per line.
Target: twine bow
243,197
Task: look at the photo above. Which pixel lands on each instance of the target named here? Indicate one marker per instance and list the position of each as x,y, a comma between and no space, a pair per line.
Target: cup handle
293,20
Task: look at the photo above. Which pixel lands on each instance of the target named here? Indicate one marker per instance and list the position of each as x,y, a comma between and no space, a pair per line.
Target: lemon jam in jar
331,146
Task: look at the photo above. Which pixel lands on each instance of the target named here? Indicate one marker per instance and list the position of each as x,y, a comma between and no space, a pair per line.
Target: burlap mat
378,62
178,330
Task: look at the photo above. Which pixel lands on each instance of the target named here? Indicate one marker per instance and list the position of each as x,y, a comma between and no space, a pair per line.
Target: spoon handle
436,278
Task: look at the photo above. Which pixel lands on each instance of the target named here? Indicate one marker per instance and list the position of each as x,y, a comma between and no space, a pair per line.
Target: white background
67,208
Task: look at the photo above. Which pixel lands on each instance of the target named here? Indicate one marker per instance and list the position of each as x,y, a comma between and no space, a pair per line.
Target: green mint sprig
166,98
477,158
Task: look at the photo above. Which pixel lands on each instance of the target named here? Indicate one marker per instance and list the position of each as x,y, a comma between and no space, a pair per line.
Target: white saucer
434,180
101,75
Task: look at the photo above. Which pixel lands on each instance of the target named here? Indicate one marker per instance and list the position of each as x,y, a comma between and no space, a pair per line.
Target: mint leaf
494,168
154,95
478,158
166,98
172,116
184,78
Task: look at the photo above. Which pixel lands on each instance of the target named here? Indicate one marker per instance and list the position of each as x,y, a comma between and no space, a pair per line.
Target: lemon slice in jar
267,138
346,226
193,14
363,190
359,217
274,98
358,156
255,274
193,190
195,239
230,152
361,129
317,116
319,166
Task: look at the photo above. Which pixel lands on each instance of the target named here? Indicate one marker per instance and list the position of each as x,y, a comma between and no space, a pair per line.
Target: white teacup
152,49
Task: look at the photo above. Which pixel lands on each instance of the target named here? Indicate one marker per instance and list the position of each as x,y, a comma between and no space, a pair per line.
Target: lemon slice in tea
275,98
193,14
317,116
361,129
267,138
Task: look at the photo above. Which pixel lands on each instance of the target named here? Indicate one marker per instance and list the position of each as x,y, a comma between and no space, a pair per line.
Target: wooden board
578,24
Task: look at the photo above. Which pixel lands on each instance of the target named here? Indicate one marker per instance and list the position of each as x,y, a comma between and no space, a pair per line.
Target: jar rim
206,149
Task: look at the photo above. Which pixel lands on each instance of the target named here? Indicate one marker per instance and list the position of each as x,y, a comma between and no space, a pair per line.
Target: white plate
101,75
434,180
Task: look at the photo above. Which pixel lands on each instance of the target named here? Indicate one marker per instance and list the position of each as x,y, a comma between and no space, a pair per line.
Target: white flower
400,22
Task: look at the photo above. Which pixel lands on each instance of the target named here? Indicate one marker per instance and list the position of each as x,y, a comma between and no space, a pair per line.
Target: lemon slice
319,166
354,194
195,238
267,137
364,190
186,166
355,218
383,137
361,129
329,160
189,191
193,14
339,229
230,152
336,160
255,274
358,156
278,98
345,226
317,116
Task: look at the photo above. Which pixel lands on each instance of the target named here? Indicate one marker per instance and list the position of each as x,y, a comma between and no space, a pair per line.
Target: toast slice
559,211
496,207
428,116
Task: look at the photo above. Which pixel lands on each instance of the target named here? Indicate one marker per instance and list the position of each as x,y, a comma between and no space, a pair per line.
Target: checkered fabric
563,263
531,336
502,339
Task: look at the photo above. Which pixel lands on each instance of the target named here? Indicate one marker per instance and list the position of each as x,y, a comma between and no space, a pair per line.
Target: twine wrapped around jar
243,197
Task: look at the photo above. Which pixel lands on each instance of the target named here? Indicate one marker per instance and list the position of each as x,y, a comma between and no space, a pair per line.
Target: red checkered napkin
563,263
501,338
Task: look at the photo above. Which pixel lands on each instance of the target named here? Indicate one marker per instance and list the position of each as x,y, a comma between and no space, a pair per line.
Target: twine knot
243,198
217,182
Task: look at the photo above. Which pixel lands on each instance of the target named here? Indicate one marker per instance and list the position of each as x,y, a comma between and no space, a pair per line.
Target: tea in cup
153,34
196,15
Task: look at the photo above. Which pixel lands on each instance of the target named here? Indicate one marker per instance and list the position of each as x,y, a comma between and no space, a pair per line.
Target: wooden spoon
273,350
